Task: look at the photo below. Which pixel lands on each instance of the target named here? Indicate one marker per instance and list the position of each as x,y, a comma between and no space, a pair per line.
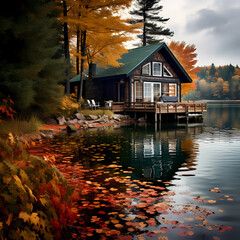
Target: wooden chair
89,104
94,104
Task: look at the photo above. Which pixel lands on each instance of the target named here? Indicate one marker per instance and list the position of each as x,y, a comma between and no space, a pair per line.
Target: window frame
153,73
164,67
176,88
149,69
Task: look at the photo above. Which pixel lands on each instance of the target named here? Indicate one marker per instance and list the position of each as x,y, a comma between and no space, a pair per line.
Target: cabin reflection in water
159,155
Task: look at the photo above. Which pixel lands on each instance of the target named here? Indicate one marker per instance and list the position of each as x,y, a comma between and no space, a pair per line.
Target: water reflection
223,115
160,154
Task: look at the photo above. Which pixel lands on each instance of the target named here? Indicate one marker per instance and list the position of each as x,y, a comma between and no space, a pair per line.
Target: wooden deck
159,107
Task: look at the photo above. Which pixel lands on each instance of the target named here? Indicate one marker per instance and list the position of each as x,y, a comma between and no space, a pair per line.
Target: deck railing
160,107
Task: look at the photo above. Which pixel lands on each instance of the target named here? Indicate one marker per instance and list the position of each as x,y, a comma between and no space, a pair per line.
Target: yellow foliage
105,29
69,105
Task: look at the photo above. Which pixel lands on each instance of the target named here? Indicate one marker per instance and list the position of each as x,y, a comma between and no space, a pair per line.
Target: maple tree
187,56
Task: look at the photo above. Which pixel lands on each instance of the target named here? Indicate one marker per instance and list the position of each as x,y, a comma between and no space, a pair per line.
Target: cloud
205,19
216,31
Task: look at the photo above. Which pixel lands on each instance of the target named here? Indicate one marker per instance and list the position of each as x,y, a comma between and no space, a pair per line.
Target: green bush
35,200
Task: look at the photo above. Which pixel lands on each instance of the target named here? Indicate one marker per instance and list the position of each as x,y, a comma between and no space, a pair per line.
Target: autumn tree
84,24
187,56
147,12
30,59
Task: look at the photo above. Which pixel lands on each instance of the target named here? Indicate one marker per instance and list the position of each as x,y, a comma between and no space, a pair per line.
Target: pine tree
147,12
30,58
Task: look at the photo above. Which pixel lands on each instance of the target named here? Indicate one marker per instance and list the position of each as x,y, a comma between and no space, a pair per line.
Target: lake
182,181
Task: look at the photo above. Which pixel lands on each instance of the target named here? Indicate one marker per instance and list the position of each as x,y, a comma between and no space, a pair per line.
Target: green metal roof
133,59
129,61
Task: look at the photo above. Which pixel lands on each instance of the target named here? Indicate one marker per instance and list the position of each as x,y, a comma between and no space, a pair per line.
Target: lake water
189,160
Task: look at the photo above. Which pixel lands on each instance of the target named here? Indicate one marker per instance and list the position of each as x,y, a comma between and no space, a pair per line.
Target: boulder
46,136
47,131
80,116
61,120
115,117
81,122
73,121
71,128
92,117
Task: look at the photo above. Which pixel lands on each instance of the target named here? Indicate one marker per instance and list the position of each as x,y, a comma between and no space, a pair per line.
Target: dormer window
157,69
166,72
146,69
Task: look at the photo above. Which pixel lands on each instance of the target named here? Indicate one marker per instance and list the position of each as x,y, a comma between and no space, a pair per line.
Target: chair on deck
89,104
94,104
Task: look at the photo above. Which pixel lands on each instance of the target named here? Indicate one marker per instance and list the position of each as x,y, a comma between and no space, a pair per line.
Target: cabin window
157,69
146,69
166,72
172,89
139,91
147,92
152,92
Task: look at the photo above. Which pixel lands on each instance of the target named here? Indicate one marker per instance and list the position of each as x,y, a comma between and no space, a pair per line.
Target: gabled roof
131,60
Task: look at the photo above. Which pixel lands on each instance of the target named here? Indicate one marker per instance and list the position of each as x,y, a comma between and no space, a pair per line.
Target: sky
212,25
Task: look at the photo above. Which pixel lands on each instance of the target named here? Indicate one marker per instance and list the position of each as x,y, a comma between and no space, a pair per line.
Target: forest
216,83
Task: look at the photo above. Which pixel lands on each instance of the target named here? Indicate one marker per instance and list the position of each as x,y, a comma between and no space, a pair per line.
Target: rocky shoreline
78,122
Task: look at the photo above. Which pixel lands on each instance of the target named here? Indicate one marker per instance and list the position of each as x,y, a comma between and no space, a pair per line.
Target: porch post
130,91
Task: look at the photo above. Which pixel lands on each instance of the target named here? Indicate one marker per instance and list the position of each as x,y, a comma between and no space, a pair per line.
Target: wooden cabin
148,80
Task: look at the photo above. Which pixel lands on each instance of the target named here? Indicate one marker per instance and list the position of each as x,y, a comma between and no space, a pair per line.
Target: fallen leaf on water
185,233
212,201
162,238
118,225
220,210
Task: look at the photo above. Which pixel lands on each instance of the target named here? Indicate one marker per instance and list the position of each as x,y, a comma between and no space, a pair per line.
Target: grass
19,127
97,112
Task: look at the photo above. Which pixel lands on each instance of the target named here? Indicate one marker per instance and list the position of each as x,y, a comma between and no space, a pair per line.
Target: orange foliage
186,55
6,109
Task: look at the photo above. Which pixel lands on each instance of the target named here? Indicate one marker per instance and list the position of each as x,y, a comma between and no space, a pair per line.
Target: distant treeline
216,83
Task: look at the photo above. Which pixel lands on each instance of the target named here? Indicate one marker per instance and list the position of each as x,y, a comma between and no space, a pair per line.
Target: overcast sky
212,25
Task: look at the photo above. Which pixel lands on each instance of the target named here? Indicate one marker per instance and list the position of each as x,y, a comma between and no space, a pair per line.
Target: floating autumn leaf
212,201
223,228
185,233
220,210
118,225
151,234
101,212
216,190
189,219
162,238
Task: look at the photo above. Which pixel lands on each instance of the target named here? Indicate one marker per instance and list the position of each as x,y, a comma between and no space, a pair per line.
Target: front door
152,92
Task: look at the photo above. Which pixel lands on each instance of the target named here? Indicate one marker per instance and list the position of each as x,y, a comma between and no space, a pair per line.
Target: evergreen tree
147,12
30,59
212,70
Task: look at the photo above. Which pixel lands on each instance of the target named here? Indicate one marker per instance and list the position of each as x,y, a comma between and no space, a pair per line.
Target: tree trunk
77,57
144,29
66,50
83,54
